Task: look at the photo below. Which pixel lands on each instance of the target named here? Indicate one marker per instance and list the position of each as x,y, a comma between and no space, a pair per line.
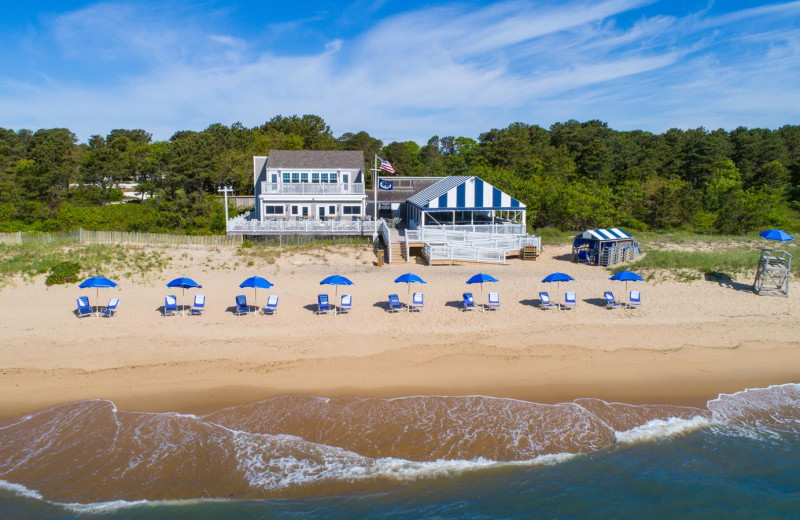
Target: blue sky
399,69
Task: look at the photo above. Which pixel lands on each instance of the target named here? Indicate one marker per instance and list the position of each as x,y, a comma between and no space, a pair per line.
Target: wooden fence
83,236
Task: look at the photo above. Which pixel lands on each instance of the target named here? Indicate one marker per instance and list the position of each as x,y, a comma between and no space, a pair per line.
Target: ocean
414,457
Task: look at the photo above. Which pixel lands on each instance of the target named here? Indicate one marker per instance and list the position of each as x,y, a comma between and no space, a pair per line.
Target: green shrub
62,273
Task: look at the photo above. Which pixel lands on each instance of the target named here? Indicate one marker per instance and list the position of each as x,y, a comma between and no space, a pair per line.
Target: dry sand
686,344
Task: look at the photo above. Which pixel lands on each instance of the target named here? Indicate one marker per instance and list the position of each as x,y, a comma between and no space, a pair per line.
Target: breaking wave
90,456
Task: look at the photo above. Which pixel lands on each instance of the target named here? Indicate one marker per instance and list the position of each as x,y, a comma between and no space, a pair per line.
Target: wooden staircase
398,254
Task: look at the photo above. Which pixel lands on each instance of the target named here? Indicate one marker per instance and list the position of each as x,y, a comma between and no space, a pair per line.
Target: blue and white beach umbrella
626,276
336,280
184,283
408,279
256,282
98,282
777,235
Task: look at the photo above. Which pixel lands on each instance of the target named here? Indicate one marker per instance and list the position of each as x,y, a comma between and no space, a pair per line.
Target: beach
687,343
395,415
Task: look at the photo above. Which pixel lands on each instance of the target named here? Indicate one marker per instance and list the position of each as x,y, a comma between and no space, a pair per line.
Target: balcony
305,188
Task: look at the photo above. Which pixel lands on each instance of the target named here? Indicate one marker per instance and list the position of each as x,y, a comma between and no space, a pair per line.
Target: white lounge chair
346,304
635,299
570,301
417,302
84,309
199,304
611,302
493,301
272,305
545,302
111,308
170,305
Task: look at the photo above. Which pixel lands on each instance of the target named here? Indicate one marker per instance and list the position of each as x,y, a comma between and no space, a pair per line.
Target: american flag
385,165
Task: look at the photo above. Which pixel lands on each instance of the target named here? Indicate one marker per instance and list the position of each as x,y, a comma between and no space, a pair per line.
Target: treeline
572,176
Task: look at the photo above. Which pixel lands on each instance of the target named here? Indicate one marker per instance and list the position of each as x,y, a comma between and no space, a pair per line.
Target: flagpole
375,186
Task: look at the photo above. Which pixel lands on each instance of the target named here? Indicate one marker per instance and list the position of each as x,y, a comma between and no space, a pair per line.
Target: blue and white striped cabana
605,234
463,200
593,246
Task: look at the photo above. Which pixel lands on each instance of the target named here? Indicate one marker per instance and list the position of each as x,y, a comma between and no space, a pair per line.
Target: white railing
383,229
305,188
456,253
473,239
309,227
499,229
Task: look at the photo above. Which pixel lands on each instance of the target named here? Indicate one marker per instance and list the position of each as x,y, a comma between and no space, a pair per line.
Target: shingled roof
313,159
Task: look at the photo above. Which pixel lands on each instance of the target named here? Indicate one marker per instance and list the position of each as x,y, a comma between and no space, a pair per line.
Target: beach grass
31,260
688,256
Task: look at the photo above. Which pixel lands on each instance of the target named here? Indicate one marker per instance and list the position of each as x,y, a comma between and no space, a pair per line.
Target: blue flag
385,185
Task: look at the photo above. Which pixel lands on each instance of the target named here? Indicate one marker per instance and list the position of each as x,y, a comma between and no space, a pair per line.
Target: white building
309,185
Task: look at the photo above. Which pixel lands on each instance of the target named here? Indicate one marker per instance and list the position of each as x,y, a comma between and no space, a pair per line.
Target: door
321,212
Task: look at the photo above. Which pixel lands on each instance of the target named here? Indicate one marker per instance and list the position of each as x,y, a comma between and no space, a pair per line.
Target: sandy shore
688,343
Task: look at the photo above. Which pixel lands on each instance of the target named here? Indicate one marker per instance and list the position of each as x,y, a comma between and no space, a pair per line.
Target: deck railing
305,188
500,229
457,253
242,226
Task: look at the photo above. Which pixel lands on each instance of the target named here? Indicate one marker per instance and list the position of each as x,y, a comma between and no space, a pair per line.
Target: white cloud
444,70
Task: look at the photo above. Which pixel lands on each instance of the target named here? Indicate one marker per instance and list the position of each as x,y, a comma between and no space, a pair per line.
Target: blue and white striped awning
605,234
464,193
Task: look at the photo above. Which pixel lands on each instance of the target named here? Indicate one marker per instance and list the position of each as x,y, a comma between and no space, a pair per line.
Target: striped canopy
464,193
605,234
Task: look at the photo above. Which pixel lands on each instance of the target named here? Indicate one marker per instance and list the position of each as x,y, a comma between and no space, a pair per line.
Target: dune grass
687,256
31,260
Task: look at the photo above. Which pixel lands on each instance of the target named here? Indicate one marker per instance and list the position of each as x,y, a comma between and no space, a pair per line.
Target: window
351,210
273,210
315,177
334,176
274,178
286,177
303,177
324,177
331,210
294,210
295,178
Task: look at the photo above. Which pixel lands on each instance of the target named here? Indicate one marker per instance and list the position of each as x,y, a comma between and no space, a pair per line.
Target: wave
299,445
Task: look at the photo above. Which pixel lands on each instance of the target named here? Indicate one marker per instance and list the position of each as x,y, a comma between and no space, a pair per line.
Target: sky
400,70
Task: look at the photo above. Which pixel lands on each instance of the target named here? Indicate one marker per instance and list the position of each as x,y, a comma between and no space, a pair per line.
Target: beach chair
394,303
545,302
346,304
611,302
272,305
493,301
241,305
570,300
469,302
84,309
199,304
323,305
170,305
417,302
583,257
635,299
111,308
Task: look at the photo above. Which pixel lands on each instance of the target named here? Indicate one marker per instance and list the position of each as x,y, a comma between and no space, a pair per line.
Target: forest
573,175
